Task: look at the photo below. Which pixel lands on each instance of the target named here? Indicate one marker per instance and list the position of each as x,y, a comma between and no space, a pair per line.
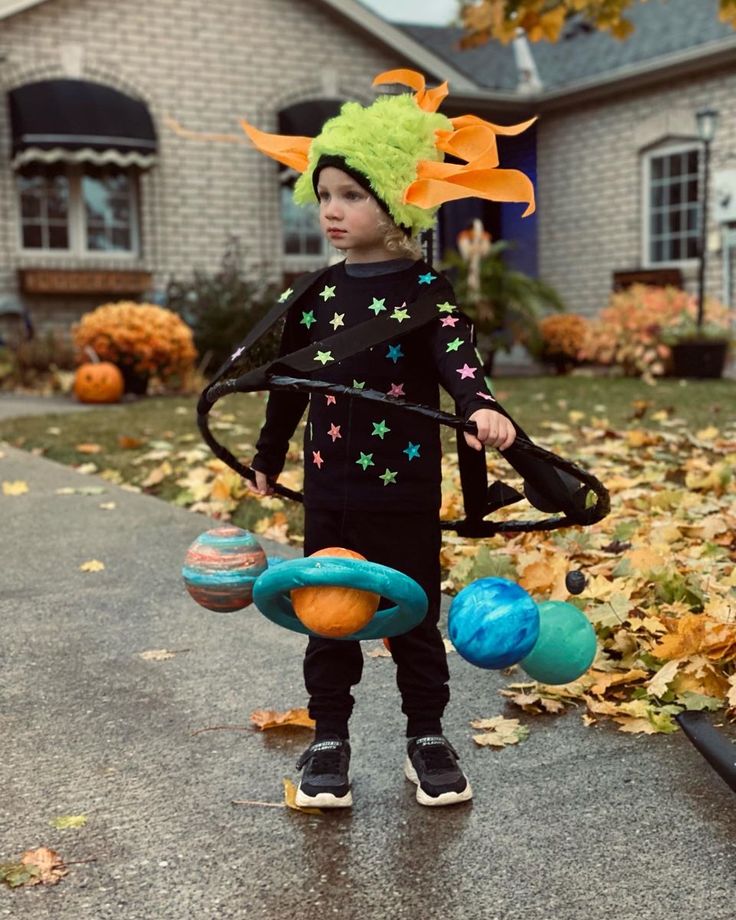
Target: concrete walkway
574,824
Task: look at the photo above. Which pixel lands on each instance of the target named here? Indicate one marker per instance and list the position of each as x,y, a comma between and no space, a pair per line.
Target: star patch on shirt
378,306
365,460
466,371
428,278
454,344
324,357
307,318
331,400
450,321
400,314
327,293
285,295
317,459
388,477
446,307
380,429
394,353
358,384
412,450
334,432
397,389
337,320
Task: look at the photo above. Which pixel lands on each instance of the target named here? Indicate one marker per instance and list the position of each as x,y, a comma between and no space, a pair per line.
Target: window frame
663,150
298,259
77,226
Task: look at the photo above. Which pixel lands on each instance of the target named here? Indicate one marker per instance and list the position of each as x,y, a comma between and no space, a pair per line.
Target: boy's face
350,217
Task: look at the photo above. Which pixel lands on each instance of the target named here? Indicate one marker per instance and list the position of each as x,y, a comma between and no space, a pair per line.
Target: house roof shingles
661,28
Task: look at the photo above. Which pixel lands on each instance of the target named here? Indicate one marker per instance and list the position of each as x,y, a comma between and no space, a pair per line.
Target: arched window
301,234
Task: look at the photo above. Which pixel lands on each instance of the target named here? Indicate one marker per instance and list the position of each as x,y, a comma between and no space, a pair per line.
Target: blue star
428,278
412,450
394,353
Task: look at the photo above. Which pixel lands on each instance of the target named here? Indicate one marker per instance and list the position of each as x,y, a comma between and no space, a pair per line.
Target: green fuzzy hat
383,142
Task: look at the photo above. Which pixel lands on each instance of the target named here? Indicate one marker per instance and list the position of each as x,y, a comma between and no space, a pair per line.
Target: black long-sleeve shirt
361,455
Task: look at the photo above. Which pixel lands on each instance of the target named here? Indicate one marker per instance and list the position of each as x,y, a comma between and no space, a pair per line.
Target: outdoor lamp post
706,119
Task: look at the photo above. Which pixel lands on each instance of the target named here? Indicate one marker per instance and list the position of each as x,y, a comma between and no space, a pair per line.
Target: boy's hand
494,430
261,486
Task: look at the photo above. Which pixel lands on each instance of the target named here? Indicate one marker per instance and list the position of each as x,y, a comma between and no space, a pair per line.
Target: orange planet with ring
334,611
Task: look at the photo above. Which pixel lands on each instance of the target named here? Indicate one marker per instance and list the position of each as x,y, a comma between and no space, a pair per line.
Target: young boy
372,471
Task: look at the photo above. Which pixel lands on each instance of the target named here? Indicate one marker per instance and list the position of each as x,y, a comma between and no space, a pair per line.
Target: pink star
449,320
334,432
397,389
485,396
466,371
317,459
331,400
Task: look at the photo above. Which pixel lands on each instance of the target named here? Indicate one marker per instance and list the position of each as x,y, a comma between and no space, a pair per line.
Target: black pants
410,543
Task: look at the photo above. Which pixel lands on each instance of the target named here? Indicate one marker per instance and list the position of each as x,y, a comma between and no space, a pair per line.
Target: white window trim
646,172
77,236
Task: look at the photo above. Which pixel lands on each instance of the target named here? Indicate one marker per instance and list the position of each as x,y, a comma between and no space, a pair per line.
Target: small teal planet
493,623
566,646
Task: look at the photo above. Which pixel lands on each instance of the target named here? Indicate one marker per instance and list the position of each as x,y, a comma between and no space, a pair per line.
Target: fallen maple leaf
500,732
290,800
19,487
93,565
41,866
264,719
129,443
66,821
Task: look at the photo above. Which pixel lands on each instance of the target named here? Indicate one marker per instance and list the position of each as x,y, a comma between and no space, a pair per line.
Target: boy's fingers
472,441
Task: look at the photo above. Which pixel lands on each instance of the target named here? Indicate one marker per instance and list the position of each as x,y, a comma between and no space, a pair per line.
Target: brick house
102,198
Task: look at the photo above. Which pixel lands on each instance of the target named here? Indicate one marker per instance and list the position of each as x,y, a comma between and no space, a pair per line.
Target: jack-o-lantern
98,381
333,611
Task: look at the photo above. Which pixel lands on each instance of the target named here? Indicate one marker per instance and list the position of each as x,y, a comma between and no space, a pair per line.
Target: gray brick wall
590,181
205,65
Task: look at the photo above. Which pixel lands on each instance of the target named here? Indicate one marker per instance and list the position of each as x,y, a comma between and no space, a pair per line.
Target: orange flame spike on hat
493,184
475,144
291,151
429,100
464,121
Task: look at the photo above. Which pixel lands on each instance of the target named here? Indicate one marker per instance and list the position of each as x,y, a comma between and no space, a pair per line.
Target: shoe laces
439,757
322,759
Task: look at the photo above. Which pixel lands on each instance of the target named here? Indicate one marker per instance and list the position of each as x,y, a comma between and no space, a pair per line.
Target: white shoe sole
323,800
447,798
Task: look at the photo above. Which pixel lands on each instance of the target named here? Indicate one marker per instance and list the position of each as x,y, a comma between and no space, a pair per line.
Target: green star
446,307
388,477
286,295
378,306
307,319
380,428
400,314
328,292
454,344
358,384
365,460
412,450
324,357
337,320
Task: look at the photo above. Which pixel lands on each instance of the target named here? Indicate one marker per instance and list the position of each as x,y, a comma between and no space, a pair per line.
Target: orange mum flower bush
564,336
635,330
144,337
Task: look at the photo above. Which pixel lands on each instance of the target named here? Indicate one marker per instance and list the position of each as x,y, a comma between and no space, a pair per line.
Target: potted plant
638,332
141,339
505,305
699,345
563,338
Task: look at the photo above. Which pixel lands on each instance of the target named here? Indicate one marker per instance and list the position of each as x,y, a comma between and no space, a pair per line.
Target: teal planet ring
271,593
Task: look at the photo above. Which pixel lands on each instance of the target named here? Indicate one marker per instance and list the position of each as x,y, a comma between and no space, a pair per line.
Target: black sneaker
432,764
325,782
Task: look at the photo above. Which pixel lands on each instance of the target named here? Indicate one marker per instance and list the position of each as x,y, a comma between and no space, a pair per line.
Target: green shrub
221,308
